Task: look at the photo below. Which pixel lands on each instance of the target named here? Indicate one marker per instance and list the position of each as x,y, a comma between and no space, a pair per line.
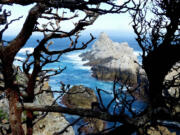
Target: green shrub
3,115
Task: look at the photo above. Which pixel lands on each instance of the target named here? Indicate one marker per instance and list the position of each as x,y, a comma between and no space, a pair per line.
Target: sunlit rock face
53,122
123,55
172,87
173,79
109,59
159,130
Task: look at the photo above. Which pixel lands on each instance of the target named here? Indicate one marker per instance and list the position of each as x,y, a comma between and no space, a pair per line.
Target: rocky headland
109,59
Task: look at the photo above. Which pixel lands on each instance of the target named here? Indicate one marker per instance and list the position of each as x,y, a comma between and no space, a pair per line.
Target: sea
75,72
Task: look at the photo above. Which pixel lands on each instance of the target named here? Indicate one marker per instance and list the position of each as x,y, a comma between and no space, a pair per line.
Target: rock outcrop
79,97
51,123
172,89
109,59
159,130
174,77
83,97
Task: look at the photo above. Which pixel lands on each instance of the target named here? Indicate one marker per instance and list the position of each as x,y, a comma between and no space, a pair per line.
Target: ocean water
76,73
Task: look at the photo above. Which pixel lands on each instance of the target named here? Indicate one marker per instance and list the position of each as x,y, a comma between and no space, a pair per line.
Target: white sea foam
19,58
77,60
26,50
138,53
85,67
17,63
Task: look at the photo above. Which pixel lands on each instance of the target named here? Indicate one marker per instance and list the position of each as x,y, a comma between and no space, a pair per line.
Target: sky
109,23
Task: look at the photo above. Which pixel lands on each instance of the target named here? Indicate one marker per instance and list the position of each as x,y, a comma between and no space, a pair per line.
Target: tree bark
127,129
157,64
14,113
78,111
29,122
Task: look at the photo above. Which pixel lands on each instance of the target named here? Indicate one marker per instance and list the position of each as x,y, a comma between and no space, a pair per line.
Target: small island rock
109,59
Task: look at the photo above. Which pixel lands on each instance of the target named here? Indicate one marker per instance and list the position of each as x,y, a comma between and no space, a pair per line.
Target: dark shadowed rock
79,97
84,97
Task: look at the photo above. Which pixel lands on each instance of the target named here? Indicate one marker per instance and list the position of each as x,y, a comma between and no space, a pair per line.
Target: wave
17,63
85,67
138,53
19,58
77,60
26,50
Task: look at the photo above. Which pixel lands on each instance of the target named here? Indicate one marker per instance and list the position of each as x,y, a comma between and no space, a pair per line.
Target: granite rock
84,97
159,130
109,59
53,122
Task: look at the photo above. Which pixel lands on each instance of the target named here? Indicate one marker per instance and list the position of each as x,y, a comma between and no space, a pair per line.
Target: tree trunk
127,129
14,113
157,64
29,122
